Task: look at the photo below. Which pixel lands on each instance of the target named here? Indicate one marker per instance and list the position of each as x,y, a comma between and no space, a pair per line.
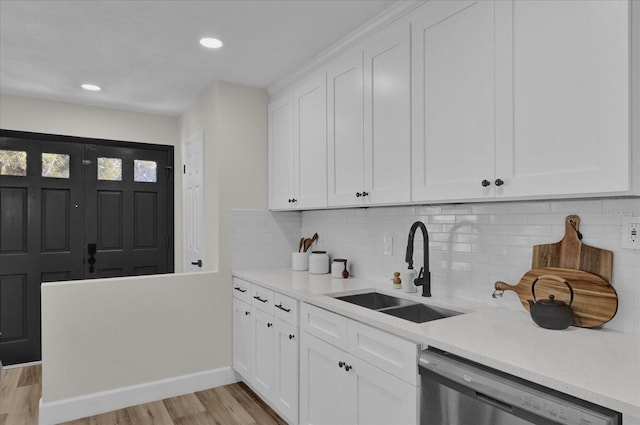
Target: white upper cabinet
345,148
562,97
369,121
453,100
281,153
387,116
298,146
310,124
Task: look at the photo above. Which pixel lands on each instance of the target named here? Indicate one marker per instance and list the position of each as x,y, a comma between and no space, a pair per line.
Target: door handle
197,263
91,250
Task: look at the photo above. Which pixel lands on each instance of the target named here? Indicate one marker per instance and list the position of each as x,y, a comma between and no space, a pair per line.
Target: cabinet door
281,153
311,142
242,338
563,99
453,100
382,398
262,352
286,371
327,391
345,99
387,115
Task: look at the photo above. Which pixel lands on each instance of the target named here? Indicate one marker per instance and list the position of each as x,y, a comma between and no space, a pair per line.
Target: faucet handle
421,273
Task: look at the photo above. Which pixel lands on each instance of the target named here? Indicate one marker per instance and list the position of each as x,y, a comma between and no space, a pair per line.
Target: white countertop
601,366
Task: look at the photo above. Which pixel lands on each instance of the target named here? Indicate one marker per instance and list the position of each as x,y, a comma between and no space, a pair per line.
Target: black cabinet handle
340,364
269,325
286,310
365,193
291,336
499,182
292,200
260,299
358,194
485,183
246,313
347,367
237,288
197,263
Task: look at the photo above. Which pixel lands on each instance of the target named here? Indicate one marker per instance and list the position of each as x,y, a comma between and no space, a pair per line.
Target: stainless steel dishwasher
456,391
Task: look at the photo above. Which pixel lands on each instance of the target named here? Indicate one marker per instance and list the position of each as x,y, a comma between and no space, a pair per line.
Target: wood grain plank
154,413
222,413
184,405
200,418
261,412
30,375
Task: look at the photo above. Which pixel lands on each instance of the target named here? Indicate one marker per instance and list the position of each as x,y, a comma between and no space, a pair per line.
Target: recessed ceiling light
91,87
211,43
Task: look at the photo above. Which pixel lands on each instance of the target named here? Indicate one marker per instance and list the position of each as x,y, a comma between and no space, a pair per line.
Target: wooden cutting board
571,253
595,302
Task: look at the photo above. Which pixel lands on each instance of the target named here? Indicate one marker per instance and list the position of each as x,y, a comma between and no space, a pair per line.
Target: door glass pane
55,165
13,163
110,169
144,171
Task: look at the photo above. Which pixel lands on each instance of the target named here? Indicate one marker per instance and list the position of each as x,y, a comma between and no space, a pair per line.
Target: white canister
299,261
339,268
408,276
319,262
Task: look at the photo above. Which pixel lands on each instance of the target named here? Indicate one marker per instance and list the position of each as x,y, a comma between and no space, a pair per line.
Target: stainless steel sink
398,307
420,313
375,300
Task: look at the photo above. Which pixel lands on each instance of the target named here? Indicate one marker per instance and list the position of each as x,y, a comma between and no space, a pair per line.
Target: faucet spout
424,277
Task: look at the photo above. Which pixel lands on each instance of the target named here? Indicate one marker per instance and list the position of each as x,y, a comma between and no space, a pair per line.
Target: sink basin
375,300
420,313
399,307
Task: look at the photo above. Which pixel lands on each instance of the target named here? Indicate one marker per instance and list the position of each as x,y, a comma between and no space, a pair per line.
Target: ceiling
145,54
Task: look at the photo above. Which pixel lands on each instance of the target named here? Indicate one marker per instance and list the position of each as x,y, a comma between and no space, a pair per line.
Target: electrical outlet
630,233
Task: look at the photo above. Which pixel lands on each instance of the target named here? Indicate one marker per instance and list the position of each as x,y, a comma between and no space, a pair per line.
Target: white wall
112,343
68,119
234,120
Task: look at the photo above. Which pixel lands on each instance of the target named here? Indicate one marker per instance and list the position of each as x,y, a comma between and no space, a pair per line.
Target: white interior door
193,188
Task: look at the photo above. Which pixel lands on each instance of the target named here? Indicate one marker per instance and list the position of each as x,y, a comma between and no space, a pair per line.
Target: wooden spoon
309,242
301,244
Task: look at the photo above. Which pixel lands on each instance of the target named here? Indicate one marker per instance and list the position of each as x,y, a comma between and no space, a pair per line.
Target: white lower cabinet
263,353
337,387
265,345
242,338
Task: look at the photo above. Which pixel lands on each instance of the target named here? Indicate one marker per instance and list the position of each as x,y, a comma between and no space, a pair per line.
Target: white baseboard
106,401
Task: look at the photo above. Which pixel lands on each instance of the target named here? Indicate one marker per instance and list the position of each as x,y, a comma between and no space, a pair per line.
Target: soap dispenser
408,276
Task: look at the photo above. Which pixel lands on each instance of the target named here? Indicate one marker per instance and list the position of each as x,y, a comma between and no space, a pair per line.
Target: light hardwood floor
235,404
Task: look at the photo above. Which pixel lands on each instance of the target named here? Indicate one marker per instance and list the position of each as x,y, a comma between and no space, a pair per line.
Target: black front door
72,209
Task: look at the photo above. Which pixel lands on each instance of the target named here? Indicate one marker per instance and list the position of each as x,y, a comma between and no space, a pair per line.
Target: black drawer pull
240,289
286,310
260,299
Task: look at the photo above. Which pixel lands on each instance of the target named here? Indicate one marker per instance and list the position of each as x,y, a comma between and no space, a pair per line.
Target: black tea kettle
550,313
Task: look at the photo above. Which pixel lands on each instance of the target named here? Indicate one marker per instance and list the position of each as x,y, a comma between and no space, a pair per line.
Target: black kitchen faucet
424,276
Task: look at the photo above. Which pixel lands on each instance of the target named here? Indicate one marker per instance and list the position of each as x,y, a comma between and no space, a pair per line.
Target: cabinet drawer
286,308
242,290
323,324
390,353
262,298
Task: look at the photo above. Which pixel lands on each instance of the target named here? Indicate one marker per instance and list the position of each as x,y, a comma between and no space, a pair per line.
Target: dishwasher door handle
494,402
